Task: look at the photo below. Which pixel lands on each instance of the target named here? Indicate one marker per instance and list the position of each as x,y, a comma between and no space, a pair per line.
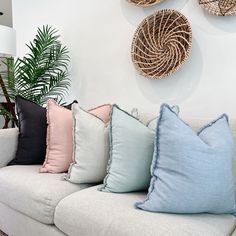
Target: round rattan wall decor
219,7
161,44
144,3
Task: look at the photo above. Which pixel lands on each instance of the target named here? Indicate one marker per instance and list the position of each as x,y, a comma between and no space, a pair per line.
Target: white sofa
33,204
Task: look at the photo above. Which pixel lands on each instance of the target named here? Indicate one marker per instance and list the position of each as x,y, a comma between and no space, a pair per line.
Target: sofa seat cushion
91,212
36,195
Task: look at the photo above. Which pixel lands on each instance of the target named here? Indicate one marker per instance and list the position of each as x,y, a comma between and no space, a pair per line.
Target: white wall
99,34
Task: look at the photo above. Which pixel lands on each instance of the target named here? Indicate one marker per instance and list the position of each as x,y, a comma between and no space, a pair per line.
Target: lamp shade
7,41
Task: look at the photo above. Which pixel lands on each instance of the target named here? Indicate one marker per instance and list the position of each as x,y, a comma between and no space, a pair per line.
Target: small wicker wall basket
144,3
161,44
219,7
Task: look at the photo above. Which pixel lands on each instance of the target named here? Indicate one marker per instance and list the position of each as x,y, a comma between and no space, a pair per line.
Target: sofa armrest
8,145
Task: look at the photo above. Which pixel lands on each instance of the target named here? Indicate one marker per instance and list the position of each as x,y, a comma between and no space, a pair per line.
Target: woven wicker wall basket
219,7
161,44
144,3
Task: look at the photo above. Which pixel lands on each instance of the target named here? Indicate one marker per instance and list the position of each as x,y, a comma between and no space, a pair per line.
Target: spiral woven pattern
219,7
161,44
144,3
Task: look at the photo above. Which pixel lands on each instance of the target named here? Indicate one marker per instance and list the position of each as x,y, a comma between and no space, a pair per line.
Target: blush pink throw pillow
59,136
102,112
59,139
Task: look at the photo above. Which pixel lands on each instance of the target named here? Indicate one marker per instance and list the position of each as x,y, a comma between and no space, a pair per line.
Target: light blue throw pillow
131,152
152,124
191,173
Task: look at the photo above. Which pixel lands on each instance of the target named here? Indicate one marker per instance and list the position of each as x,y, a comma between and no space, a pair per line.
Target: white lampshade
7,41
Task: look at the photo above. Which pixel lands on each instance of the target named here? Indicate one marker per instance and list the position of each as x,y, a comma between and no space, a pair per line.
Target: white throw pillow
91,147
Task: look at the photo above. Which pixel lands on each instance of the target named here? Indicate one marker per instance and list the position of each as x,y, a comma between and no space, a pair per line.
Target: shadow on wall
170,4
134,14
178,86
225,23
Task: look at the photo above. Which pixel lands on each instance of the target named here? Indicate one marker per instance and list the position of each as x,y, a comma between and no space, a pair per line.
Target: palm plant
42,73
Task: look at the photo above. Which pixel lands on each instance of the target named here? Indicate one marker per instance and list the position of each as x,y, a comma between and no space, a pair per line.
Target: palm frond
43,72
5,113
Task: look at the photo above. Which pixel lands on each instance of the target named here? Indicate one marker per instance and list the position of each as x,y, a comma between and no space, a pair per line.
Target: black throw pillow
32,122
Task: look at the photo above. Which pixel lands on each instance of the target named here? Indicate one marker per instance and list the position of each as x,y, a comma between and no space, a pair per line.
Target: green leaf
5,113
43,72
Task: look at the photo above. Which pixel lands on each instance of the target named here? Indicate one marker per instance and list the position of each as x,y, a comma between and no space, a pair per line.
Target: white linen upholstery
94,213
8,145
36,195
14,223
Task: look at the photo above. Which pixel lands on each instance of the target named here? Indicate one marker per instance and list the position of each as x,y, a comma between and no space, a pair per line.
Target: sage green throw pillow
131,152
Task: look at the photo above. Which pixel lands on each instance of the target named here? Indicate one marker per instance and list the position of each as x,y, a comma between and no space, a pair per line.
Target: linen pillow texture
131,151
59,139
191,173
32,123
91,145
